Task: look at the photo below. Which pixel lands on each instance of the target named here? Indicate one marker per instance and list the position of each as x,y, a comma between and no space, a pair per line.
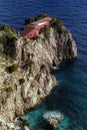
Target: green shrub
1,27
58,25
29,62
29,20
47,30
7,28
33,19
8,35
32,54
12,68
2,39
8,89
6,38
57,22
40,16
35,37
6,56
21,81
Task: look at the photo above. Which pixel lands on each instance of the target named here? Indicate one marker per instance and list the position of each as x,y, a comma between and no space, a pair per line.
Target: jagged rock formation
53,118
25,68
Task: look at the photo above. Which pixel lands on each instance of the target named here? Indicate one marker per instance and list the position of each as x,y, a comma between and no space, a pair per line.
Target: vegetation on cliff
12,68
33,19
8,37
26,79
7,34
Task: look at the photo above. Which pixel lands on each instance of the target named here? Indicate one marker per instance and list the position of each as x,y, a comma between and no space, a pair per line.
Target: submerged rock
53,122
53,114
53,117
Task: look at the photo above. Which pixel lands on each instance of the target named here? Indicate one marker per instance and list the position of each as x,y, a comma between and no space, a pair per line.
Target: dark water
70,96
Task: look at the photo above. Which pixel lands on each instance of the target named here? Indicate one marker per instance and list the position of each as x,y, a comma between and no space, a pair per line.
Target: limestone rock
53,122
30,61
26,128
53,117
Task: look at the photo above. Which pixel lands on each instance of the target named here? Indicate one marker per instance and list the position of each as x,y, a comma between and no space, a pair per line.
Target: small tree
21,81
29,20
7,28
12,68
40,16
33,19
47,30
58,25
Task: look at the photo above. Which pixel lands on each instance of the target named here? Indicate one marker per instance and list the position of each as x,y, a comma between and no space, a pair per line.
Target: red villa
34,28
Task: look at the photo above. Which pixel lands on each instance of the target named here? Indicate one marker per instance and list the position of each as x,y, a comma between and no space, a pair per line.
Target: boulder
53,122
26,128
53,117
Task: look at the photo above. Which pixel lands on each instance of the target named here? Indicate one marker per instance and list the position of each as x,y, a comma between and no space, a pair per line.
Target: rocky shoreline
25,69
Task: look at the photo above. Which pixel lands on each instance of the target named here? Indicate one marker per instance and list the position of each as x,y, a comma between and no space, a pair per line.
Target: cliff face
25,65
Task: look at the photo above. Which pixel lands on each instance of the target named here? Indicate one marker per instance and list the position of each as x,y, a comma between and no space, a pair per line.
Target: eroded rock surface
25,69
53,118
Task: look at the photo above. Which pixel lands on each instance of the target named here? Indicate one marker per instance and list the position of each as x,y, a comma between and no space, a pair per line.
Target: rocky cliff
25,68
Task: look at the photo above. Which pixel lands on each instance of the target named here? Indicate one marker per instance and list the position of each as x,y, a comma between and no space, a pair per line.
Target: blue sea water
70,96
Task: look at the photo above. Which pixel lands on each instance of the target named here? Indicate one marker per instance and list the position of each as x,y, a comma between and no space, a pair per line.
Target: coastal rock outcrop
25,68
53,118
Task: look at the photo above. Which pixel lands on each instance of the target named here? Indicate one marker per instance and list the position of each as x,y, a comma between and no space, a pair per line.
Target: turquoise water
37,123
65,97
70,96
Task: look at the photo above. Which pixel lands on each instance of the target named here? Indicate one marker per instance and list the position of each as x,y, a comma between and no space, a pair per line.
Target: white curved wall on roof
39,24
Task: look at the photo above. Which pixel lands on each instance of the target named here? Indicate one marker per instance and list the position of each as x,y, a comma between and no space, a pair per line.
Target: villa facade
34,29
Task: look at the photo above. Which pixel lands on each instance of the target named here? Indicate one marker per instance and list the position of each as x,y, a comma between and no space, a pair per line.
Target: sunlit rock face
25,68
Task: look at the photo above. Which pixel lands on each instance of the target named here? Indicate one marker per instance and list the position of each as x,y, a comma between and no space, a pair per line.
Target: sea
70,95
